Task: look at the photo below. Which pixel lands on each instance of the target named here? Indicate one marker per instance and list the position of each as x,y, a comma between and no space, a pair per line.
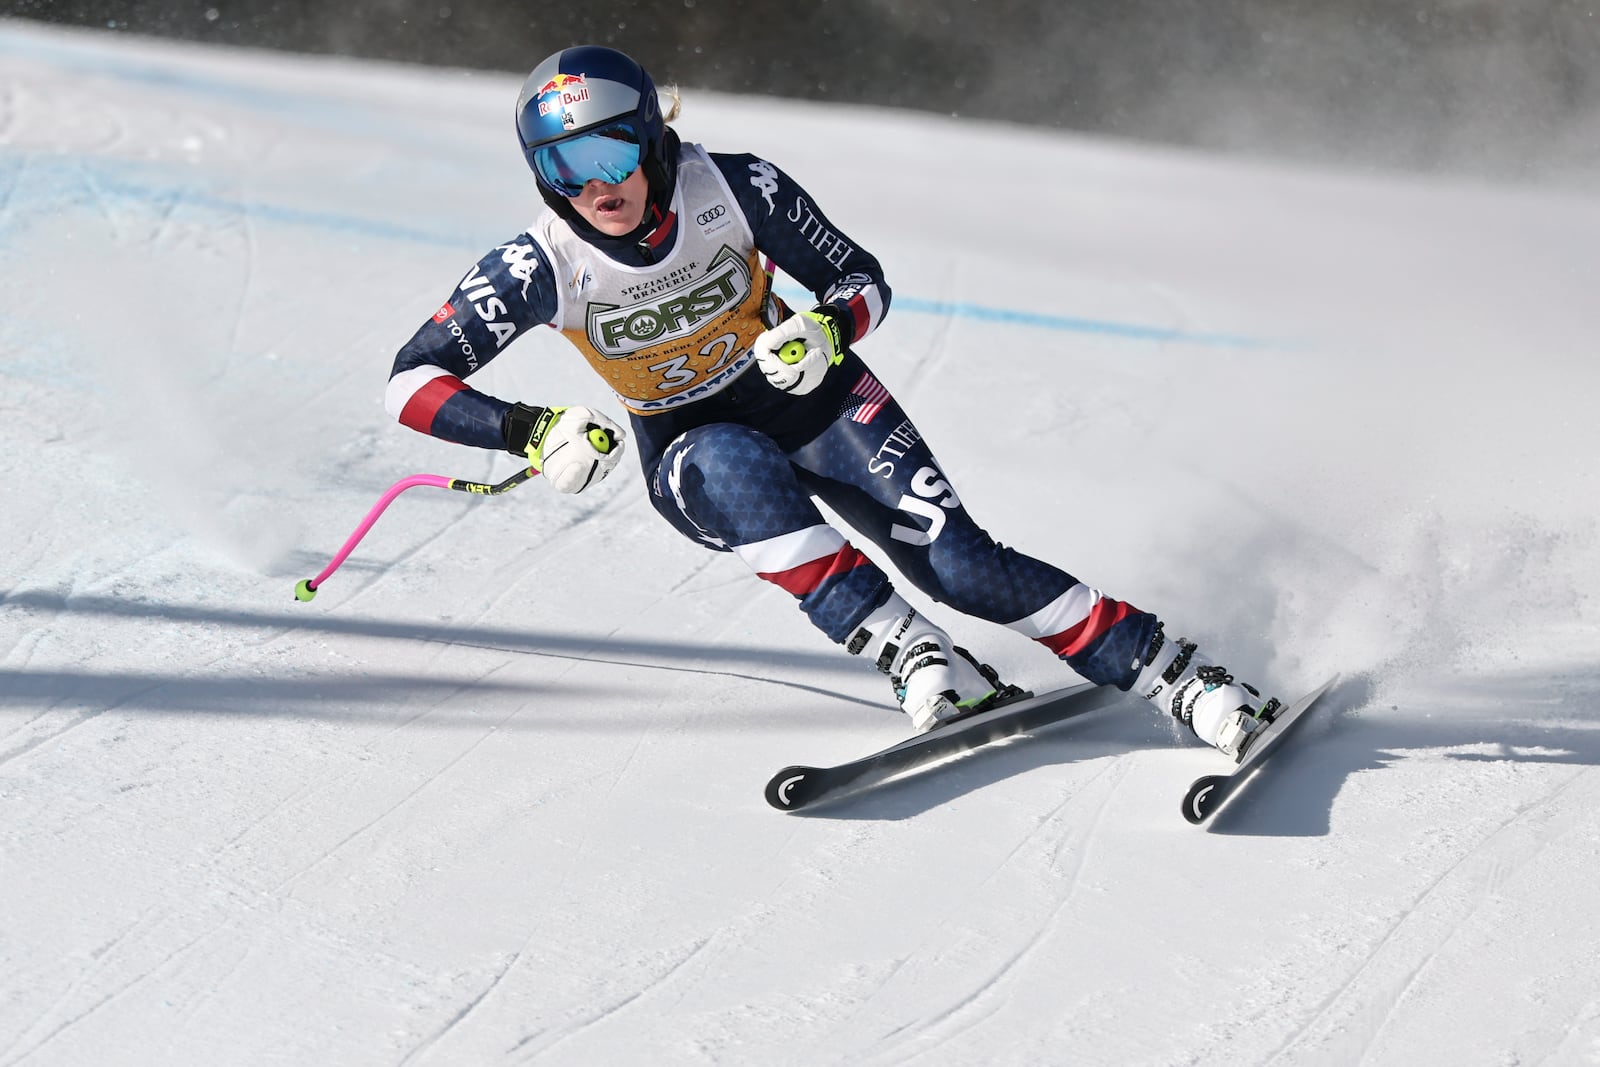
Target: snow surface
495,795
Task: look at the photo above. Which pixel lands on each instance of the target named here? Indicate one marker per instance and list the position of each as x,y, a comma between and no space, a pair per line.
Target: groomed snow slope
495,796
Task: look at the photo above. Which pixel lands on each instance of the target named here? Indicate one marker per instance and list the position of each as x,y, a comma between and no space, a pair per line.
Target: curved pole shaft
307,589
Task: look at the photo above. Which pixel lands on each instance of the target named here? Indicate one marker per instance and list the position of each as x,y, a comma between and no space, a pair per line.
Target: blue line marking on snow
99,185
1039,320
1043,321
96,183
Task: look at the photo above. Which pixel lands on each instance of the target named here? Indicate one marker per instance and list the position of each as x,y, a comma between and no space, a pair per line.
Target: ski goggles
609,154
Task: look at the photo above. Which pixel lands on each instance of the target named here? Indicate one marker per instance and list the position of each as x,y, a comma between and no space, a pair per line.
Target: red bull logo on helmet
561,93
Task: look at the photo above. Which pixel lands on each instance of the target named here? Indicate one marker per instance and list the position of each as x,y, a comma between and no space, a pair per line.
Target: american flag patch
866,399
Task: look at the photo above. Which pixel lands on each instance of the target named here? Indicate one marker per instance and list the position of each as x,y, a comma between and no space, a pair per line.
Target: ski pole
307,588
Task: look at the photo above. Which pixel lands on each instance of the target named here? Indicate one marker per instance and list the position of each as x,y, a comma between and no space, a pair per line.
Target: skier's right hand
795,354
572,447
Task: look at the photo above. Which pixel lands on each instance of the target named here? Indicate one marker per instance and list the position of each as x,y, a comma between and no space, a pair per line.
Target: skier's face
613,209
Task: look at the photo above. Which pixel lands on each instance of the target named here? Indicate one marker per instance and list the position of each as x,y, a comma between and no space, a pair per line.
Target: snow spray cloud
204,451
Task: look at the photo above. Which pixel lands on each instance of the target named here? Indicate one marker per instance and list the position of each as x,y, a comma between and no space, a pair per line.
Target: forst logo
617,331
561,92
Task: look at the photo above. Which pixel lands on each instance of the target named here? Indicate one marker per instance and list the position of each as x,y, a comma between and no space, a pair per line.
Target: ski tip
1197,804
788,788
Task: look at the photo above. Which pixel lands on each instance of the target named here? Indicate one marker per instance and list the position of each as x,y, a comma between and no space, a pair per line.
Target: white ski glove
795,354
572,447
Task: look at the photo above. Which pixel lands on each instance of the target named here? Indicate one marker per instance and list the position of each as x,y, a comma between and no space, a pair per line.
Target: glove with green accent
795,354
572,447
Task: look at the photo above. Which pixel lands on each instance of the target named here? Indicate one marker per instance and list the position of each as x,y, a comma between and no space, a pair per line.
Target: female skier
649,260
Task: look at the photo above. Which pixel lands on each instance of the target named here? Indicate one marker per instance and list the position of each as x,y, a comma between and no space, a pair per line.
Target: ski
1210,792
794,788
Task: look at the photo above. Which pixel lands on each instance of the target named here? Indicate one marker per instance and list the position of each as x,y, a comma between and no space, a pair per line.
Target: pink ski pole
307,588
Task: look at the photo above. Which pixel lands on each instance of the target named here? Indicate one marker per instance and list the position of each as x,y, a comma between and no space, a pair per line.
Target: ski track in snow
429,781
1370,997
610,1013
461,1017
495,795
989,996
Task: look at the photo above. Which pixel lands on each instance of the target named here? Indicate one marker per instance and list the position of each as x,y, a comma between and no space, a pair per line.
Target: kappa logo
521,261
765,178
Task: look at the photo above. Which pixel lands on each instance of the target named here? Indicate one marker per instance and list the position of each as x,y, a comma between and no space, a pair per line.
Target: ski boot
1226,714
934,681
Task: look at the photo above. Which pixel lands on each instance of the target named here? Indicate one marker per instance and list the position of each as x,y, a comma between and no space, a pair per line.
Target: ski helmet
591,112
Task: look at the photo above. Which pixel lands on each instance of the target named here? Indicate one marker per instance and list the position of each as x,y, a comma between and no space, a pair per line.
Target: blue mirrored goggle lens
609,154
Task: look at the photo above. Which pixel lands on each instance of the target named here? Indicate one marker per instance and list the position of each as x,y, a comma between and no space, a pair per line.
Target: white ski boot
933,680
1222,712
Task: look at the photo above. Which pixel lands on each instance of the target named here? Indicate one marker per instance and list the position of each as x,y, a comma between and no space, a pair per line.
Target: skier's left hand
572,447
795,354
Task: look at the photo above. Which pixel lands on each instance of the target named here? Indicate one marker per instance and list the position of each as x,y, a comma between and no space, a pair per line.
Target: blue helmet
591,112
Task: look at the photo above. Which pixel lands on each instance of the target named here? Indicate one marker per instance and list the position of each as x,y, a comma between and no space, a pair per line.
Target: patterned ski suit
731,461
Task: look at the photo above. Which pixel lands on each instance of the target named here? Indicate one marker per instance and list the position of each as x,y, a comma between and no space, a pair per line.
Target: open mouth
608,205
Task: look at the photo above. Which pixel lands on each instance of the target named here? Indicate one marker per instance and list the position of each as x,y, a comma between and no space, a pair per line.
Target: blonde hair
670,112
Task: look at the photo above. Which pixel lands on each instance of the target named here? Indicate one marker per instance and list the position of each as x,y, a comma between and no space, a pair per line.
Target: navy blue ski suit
731,461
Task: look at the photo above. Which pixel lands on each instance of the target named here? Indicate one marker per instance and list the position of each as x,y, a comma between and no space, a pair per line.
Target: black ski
796,787
1211,791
